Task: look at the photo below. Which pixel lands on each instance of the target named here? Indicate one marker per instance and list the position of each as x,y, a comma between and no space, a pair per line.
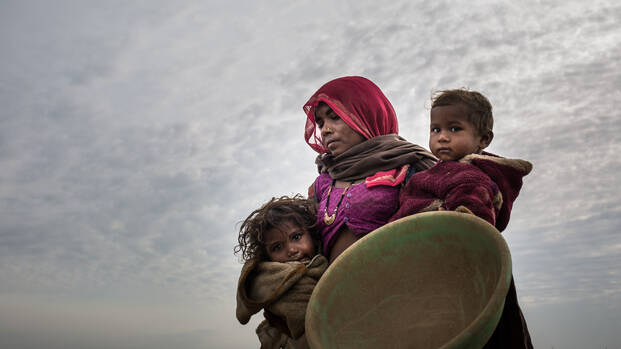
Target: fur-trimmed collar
507,174
522,166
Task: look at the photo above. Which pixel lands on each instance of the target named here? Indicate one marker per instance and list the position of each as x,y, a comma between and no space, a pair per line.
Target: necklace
330,219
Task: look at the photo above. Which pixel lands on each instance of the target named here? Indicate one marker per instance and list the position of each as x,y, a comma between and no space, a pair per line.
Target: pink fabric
390,178
359,102
362,210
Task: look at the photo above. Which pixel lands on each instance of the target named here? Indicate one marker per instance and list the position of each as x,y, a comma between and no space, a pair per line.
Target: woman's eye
296,237
276,247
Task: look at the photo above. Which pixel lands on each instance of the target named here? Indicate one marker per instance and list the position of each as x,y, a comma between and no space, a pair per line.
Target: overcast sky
134,136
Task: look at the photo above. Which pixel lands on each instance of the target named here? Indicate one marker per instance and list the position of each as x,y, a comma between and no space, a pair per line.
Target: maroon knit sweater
484,184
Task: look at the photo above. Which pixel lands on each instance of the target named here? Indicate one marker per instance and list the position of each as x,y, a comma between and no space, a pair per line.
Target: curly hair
479,107
296,210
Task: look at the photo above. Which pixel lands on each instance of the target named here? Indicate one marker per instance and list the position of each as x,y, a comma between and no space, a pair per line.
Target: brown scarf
379,153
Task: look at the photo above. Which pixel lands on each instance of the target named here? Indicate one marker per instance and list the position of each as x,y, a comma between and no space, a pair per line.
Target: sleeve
312,192
477,197
417,195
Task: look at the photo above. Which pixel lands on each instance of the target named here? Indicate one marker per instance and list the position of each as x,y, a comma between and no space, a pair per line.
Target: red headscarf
359,102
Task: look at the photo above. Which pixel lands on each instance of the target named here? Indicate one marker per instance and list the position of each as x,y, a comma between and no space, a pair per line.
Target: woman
362,161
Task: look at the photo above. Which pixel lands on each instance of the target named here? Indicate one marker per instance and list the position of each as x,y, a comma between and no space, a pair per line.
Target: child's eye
275,247
455,129
435,129
296,237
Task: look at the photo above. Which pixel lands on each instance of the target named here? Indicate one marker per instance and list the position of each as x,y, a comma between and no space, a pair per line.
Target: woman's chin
334,150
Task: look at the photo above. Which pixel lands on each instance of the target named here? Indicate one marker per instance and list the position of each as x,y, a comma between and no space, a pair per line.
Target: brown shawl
379,153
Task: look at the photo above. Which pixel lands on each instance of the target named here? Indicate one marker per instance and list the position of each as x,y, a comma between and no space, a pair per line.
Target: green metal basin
432,280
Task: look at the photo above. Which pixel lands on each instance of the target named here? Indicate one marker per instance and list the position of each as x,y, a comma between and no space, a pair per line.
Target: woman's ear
486,139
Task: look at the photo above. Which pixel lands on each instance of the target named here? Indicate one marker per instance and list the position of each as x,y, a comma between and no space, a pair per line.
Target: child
467,179
279,244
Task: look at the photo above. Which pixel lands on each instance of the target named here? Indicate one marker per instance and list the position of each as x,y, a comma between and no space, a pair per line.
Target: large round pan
432,280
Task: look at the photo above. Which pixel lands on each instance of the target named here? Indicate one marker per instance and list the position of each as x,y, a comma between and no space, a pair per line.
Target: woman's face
336,135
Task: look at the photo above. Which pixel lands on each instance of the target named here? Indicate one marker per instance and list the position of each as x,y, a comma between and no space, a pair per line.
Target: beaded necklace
330,219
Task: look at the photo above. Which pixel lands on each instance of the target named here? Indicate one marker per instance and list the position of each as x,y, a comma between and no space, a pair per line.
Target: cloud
133,138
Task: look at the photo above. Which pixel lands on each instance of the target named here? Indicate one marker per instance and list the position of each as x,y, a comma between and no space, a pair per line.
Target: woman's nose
326,129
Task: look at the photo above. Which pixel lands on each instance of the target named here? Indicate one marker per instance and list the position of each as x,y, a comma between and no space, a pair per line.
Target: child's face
452,136
336,135
289,242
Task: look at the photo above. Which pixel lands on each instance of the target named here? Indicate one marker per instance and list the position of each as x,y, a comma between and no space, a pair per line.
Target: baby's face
451,135
289,242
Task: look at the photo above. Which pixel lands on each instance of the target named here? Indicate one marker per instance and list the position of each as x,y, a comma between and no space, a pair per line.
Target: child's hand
463,209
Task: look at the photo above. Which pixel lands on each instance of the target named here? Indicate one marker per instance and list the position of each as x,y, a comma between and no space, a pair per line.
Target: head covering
359,102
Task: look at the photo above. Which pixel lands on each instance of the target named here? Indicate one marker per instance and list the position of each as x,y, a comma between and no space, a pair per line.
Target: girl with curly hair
280,247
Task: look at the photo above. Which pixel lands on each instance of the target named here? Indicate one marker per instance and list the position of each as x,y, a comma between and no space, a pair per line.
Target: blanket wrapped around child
283,291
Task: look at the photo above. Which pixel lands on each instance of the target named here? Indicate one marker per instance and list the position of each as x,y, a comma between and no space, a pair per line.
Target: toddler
467,179
280,245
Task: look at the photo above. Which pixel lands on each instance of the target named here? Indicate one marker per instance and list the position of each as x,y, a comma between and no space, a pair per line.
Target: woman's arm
344,239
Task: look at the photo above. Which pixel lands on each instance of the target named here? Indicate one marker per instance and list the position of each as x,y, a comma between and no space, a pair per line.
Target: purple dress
362,209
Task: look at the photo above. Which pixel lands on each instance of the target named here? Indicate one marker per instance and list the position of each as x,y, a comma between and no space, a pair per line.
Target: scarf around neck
379,153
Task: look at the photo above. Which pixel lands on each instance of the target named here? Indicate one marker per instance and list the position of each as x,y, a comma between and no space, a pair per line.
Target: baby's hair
479,107
297,210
